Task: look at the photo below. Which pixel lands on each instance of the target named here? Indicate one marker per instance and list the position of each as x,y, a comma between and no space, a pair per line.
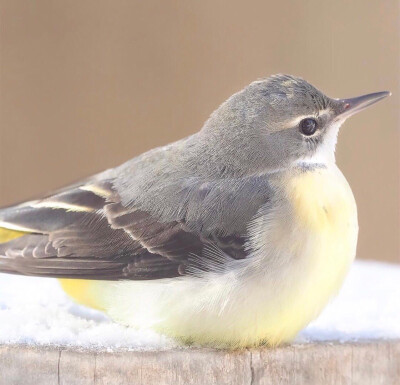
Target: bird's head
280,121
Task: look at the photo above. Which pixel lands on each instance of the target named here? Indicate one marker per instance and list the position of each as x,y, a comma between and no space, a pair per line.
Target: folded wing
85,231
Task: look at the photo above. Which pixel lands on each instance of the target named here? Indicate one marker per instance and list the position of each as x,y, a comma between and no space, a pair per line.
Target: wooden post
374,362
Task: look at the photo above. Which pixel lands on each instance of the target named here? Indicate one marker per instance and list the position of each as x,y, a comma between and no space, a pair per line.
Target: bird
234,237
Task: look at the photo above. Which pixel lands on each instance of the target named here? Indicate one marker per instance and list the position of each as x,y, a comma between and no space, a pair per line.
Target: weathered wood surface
367,363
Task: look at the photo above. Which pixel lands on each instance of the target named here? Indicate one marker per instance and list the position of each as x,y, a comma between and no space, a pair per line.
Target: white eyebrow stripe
325,111
295,121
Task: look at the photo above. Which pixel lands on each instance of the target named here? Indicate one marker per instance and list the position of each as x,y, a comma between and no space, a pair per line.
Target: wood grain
363,363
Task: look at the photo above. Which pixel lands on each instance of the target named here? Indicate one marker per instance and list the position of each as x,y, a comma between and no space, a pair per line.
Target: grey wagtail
234,237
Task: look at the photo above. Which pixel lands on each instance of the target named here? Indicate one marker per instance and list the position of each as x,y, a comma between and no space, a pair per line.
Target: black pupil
308,126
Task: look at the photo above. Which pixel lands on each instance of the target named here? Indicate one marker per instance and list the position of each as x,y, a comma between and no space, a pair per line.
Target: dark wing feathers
86,232
44,219
43,216
35,254
167,239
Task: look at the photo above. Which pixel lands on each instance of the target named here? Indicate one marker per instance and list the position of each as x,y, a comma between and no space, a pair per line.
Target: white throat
325,153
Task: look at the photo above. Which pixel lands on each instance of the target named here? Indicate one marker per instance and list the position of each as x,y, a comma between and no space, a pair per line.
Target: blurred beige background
85,85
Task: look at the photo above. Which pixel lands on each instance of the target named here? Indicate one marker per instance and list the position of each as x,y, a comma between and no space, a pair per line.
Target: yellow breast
323,241
322,200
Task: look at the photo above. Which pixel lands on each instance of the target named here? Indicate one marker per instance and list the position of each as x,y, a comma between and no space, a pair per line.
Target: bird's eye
308,126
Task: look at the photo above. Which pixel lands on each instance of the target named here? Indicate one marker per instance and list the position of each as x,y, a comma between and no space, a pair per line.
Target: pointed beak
348,107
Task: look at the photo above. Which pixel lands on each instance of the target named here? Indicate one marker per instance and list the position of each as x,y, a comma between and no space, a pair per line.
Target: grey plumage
147,218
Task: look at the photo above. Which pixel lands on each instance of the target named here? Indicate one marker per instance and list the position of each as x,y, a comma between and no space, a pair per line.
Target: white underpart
35,311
